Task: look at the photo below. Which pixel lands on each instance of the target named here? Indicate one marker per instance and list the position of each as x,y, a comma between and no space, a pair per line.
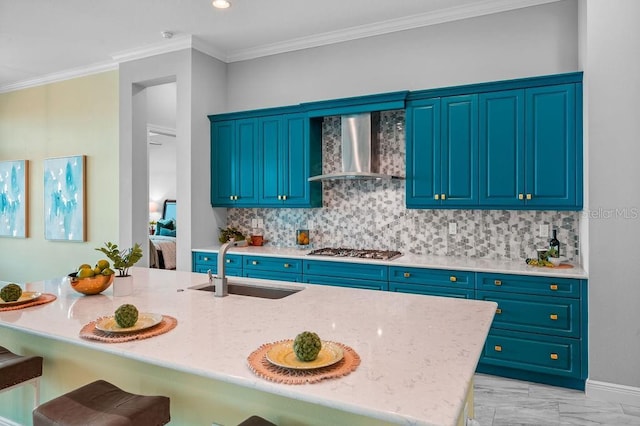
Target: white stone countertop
419,261
418,353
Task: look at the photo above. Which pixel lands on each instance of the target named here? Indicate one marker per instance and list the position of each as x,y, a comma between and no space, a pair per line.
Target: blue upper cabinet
234,160
529,156
442,152
514,144
501,144
551,168
286,155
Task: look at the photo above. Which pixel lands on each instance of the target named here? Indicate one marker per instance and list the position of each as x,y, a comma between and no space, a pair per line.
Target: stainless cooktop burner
361,254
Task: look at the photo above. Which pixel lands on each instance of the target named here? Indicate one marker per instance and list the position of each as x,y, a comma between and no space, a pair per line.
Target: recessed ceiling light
221,4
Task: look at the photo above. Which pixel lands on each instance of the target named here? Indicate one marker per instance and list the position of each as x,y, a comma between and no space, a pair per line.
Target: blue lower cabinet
344,274
272,275
436,282
346,282
203,262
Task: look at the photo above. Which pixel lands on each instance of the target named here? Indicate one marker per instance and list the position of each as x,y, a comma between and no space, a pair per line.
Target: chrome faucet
220,280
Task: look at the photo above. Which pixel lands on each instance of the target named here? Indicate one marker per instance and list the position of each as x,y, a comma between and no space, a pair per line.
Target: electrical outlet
453,228
543,232
254,223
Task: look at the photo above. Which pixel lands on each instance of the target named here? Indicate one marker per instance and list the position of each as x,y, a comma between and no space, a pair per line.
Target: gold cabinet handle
553,356
529,196
498,311
453,279
497,348
286,265
279,197
553,317
553,287
437,196
284,198
255,262
231,197
520,196
443,196
206,259
228,260
497,282
407,274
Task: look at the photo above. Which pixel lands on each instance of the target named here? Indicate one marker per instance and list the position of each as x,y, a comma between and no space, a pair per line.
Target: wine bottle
554,245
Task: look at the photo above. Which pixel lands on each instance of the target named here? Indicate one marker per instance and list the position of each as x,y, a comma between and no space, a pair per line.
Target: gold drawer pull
497,282
443,196
554,356
520,196
407,274
255,262
498,311
286,265
228,260
497,348
554,317
529,196
436,197
453,279
553,287
206,259
284,198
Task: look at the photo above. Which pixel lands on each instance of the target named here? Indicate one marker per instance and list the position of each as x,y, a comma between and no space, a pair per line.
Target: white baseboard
613,392
7,422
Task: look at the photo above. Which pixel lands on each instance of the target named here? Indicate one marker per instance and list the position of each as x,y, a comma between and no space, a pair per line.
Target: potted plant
122,260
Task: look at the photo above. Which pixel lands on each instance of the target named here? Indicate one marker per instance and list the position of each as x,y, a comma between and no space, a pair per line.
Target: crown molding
385,27
60,76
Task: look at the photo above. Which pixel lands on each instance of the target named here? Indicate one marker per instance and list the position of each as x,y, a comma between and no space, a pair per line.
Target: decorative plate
27,296
145,320
282,355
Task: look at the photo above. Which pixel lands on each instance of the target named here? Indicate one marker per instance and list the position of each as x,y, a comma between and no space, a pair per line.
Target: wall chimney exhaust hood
360,149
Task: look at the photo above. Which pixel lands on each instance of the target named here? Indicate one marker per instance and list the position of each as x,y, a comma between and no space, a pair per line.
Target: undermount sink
251,290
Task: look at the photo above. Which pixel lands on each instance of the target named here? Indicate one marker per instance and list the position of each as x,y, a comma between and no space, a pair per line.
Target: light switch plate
543,232
254,223
260,223
453,228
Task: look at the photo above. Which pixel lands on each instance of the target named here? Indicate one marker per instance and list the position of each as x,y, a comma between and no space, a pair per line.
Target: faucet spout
220,280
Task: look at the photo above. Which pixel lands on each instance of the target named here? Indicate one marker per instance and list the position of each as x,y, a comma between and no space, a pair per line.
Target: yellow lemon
84,265
108,271
85,273
102,264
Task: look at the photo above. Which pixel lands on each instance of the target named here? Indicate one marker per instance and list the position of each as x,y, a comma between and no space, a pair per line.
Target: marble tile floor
507,402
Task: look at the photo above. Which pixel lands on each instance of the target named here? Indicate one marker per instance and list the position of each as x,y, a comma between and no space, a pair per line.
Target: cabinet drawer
431,277
346,282
535,314
204,261
432,290
203,269
346,270
547,354
272,275
543,286
277,264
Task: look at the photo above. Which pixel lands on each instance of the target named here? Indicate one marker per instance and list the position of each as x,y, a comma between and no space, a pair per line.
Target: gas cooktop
361,254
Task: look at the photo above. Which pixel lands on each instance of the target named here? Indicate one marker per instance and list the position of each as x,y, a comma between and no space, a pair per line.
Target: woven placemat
44,298
260,366
90,331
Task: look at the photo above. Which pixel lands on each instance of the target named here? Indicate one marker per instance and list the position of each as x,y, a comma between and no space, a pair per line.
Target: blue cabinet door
551,147
501,148
222,147
234,160
270,134
423,153
459,150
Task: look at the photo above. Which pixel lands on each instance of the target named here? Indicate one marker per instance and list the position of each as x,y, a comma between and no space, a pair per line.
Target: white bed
162,248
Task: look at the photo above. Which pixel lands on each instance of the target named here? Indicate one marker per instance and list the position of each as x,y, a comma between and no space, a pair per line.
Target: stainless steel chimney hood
360,149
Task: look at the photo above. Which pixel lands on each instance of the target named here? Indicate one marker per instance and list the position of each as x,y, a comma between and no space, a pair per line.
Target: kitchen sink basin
251,290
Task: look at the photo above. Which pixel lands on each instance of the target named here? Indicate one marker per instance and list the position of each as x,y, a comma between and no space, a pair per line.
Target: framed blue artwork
14,199
64,198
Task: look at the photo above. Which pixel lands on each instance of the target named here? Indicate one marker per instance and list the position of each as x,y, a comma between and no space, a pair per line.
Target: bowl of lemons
92,279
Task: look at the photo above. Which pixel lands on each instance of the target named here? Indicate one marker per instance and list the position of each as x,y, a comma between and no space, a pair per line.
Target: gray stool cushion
256,421
16,369
101,403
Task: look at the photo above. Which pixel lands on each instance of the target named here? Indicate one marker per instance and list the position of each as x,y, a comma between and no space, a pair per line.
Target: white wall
612,67
527,42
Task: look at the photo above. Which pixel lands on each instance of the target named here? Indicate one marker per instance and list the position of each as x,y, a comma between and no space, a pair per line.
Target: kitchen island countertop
472,264
418,353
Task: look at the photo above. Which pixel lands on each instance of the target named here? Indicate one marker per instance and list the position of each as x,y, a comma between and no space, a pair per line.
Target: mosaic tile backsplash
372,214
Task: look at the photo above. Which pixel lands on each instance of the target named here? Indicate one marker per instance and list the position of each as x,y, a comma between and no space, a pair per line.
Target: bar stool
16,370
256,421
101,403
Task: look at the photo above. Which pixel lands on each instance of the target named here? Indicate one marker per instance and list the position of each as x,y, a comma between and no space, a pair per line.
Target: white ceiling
48,40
